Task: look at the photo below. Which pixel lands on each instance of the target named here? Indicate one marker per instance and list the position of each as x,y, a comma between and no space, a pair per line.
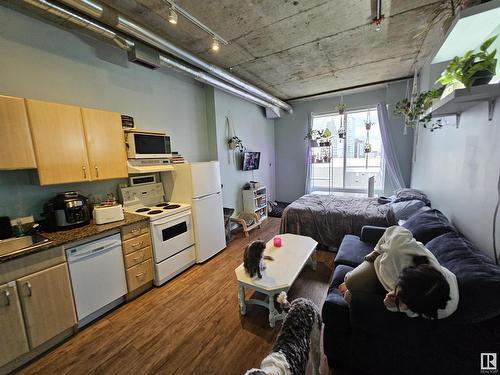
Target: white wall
459,170
257,134
291,148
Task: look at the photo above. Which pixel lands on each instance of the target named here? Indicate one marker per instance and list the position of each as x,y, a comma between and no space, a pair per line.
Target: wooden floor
191,325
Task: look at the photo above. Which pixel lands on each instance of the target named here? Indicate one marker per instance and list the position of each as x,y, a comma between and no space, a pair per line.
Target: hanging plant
341,108
414,112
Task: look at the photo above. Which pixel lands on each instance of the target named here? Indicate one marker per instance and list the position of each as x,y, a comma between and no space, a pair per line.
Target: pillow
427,225
478,277
411,194
403,210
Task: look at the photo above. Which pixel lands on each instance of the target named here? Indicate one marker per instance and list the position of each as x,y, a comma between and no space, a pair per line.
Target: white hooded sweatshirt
397,247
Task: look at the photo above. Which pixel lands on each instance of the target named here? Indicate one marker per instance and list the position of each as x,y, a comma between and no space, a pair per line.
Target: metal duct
108,15
128,45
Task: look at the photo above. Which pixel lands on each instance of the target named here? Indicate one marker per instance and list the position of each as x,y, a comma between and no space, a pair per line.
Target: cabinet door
59,142
47,303
105,144
16,148
14,341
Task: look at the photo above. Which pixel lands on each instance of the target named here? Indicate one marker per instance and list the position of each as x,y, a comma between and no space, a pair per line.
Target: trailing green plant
414,112
465,69
314,134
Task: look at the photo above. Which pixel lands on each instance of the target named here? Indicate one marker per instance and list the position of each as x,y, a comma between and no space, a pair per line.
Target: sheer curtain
308,186
391,160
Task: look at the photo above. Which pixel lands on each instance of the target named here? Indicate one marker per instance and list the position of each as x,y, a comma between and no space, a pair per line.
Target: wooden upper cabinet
105,144
47,303
59,142
14,341
16,148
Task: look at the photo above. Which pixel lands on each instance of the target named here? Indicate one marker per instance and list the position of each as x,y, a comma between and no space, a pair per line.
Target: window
342,164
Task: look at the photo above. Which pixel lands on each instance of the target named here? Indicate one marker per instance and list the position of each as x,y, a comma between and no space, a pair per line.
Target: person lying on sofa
415,281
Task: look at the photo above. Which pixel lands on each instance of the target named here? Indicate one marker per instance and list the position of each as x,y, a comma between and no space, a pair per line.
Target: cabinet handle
139,257
138,244
30,291
7,297
84,172
140,274
97,171
135,230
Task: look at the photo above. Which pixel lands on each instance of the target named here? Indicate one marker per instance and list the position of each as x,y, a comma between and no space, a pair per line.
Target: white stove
171,228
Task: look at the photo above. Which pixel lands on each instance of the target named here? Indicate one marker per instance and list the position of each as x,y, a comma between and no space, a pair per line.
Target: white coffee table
280,273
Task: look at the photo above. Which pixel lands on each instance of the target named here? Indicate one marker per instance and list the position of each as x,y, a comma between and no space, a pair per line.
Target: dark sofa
366,338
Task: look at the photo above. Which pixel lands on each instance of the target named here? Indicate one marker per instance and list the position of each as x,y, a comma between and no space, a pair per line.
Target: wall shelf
461,100
470,28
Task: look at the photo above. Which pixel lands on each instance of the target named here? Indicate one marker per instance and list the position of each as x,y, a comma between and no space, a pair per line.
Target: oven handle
171,218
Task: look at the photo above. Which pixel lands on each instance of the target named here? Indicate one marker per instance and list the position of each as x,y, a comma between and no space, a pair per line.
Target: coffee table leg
241,299
313,261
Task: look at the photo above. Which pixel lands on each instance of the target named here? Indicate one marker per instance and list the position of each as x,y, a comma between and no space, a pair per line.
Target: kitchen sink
20,244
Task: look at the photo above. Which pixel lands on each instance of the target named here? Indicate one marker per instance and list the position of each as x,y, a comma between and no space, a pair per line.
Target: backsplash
21,195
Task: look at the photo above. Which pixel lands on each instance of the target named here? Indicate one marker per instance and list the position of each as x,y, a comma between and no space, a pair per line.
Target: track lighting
172,16
215,44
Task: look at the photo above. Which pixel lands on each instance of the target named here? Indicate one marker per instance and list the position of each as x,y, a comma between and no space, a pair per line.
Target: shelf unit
255,201
460,100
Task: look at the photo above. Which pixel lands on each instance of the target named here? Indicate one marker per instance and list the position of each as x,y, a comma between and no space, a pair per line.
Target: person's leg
363,278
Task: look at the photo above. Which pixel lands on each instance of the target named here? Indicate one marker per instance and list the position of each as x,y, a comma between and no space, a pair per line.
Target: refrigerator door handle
205,196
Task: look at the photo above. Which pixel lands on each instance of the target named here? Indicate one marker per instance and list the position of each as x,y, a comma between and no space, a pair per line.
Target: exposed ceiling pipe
127,44
120,22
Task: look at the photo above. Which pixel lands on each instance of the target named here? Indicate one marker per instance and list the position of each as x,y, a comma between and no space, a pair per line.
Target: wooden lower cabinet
139,275
47,303
13,342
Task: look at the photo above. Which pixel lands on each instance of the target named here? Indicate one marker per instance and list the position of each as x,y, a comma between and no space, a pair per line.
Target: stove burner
171,206
154,212
162,204
144,209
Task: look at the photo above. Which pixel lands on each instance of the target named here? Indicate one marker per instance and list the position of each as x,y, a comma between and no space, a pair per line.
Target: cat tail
282,300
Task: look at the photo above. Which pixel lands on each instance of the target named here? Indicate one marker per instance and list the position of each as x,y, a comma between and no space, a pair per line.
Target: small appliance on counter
104,214
66,211
5,228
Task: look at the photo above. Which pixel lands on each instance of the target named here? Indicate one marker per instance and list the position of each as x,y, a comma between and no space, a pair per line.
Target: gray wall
291,148
43,61
257,134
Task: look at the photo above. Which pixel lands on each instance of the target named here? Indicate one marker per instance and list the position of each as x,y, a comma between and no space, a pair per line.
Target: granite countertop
67,236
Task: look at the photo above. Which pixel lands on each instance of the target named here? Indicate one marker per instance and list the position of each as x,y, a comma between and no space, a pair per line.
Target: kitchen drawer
139,275
134,230
137,257
136,243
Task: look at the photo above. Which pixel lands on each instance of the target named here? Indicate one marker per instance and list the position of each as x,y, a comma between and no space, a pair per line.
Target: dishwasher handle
84,254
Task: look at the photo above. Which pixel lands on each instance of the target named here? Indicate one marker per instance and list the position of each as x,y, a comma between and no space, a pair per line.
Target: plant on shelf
472,68
319,137
234,143
414,112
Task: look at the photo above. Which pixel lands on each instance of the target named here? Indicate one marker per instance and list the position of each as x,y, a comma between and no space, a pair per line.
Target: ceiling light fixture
215,44
379,17
172,18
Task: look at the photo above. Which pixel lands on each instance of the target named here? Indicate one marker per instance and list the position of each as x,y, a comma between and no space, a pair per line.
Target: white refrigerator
199,184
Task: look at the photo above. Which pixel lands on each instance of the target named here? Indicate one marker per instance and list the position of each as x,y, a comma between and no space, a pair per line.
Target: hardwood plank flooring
191,325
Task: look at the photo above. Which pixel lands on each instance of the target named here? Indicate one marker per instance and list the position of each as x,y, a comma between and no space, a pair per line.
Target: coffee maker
66,211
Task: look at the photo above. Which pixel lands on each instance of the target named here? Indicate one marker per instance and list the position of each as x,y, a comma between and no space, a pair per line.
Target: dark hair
423,288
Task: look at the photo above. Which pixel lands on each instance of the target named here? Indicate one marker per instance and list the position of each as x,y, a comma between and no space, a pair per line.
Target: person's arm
372,256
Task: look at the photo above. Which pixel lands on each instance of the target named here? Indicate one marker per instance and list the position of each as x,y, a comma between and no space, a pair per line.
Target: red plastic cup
277,241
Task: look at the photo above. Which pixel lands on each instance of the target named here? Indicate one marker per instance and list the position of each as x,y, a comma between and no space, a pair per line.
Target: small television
251,160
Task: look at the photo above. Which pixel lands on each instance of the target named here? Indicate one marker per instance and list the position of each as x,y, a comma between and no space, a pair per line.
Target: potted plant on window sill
472,69
319,138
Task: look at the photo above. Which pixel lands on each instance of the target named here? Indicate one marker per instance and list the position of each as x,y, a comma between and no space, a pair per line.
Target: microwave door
151,146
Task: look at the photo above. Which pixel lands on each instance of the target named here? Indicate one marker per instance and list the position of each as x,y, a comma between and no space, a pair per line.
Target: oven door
171,235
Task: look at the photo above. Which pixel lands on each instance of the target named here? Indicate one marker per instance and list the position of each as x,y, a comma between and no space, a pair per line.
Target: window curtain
391,160
308,187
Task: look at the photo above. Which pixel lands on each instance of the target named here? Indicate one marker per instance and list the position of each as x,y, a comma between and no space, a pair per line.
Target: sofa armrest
371,234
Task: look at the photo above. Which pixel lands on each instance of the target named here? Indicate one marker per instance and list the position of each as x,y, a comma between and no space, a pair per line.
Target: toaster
108,214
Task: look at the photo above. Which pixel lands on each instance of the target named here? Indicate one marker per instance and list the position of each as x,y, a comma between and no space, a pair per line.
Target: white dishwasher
97,276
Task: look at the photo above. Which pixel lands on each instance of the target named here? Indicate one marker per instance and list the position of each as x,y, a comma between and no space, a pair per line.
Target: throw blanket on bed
327,218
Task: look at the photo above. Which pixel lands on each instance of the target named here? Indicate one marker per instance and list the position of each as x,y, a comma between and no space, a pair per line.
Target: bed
327,218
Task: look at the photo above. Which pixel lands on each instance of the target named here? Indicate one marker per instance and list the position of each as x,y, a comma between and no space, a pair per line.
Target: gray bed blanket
327,218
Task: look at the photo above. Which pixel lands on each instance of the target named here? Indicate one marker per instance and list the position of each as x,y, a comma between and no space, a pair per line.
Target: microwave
143,144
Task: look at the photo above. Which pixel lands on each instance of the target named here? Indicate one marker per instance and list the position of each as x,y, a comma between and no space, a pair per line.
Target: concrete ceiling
297,48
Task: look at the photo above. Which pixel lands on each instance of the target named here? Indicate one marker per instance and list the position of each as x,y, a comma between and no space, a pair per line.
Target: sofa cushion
335,309
352,251
428,225
403,210
477,275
